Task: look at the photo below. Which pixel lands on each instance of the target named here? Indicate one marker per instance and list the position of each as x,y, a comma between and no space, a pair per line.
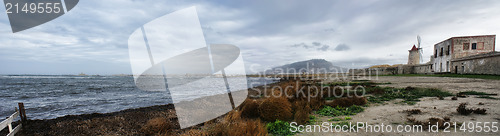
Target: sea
52,96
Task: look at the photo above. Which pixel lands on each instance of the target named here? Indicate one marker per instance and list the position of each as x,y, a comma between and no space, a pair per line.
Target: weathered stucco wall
413,57
479,64
422,69
462,46
442,56
374,71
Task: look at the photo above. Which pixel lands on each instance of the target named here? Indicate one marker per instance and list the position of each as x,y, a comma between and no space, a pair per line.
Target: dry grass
238,128
302,111
316,103
249,108
195,132
462,109
157,125
232,125
480,111
233,116
275,108
413,111
429,122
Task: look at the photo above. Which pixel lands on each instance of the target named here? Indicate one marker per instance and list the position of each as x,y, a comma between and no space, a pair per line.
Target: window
480,45
440,67
449,51
441,52
435,53
447,65
474,46
466,46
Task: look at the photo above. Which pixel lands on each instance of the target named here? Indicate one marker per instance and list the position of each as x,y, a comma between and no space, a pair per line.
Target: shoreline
133,121
128,121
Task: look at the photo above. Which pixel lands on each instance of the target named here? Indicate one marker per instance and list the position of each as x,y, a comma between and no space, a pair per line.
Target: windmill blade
421,53
420,50
418,40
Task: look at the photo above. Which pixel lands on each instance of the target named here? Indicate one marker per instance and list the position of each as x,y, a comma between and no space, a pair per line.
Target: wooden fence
8,122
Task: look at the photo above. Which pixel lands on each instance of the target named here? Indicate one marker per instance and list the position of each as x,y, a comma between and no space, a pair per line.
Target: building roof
414,48
475,36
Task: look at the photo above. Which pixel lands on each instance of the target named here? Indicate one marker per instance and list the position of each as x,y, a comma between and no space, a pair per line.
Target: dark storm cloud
95,31
342,47
314,45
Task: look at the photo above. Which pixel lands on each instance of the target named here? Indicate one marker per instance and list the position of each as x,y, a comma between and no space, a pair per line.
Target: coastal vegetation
493,77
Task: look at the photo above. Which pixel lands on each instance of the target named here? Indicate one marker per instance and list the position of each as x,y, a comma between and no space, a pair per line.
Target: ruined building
458,55
459,47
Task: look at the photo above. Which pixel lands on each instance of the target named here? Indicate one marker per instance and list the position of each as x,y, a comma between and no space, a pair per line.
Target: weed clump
413,111
194,132
238,127
410,95
302,111
480,111
158,125
249,109
347,101
431,121
274,108
340,111
279,128
462,109
474,93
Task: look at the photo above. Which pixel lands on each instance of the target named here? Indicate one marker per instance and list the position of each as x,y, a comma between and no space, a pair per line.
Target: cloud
96,31
314,45
342,47
323,48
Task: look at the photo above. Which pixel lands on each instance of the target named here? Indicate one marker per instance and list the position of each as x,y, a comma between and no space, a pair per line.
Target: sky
92,37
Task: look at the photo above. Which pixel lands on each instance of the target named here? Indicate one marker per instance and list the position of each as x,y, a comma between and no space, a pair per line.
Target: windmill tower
416,53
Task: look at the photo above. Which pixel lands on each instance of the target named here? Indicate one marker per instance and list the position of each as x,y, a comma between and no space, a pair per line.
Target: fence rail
8,122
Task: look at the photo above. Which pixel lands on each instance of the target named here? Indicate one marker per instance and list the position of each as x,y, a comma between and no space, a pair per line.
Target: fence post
22,112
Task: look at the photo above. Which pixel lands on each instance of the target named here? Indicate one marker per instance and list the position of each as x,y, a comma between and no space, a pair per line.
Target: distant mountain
308,66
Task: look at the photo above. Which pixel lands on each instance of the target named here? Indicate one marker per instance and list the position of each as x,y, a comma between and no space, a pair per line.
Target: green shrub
335,119
340,111
279,128
344,123
410,95
347,118
474,93
312,119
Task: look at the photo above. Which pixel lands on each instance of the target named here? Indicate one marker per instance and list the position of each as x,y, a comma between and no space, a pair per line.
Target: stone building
459,47
459,55
414,56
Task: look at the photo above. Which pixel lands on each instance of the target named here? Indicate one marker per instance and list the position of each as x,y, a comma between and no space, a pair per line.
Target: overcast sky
92,37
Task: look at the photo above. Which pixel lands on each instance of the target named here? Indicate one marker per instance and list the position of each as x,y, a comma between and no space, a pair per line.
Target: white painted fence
8,123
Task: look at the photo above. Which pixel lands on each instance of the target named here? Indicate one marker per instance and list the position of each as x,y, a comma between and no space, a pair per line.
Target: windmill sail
420,50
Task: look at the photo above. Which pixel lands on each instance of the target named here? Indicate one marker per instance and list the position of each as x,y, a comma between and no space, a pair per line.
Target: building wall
487,43
459,47
422,69
413,57
442,56
374,71
454,59
405,69
487,64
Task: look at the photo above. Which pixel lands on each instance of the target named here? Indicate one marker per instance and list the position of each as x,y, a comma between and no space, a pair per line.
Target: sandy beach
391,113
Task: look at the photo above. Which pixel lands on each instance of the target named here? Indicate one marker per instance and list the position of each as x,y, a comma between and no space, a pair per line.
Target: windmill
420,50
